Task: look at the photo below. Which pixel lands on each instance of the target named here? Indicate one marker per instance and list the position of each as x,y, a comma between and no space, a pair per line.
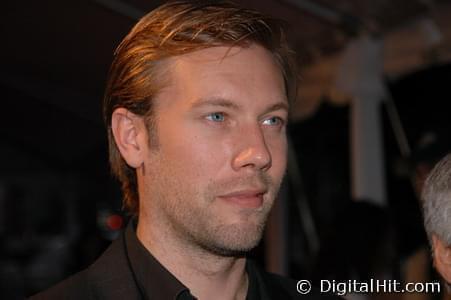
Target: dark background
59,206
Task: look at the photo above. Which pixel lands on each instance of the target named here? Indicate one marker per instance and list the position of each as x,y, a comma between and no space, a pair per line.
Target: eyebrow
223,102
283,105
216,102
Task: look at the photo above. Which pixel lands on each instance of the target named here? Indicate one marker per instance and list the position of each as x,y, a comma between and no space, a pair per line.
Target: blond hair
175,28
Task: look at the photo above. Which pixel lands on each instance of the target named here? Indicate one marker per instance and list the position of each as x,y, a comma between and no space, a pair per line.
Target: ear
442,257
130,135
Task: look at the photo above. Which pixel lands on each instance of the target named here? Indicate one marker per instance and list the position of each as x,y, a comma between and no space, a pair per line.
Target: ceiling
55,56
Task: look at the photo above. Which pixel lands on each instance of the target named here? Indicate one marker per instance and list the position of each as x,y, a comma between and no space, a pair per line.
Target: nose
252,152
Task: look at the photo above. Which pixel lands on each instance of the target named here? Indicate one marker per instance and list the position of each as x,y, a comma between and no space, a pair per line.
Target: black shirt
126,270
156,282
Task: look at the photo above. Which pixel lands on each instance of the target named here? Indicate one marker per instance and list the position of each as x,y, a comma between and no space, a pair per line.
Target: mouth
245,198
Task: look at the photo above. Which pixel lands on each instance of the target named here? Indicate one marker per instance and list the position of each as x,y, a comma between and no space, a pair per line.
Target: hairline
165,69
436,197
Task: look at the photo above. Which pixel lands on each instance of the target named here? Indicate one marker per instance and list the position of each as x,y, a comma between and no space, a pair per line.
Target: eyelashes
222,119
216,117
274,121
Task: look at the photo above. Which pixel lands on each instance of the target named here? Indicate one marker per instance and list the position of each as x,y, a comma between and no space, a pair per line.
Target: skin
208,184
442,257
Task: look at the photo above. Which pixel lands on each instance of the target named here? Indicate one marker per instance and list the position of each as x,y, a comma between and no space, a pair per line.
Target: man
436,197
196,107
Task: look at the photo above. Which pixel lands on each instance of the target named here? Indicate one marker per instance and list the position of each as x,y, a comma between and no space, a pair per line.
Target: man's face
221,154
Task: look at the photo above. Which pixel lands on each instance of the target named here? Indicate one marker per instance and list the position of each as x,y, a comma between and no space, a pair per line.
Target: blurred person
436,196
430,147
196,108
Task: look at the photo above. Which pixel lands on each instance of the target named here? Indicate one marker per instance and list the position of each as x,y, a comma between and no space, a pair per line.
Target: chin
234,240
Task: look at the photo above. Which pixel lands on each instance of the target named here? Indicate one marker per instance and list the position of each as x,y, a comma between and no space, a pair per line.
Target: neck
207,275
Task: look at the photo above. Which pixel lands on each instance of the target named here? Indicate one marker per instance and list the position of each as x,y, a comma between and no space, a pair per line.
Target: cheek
197,157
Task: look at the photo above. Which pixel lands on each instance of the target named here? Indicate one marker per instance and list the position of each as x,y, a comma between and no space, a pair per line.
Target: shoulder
74,287
108,277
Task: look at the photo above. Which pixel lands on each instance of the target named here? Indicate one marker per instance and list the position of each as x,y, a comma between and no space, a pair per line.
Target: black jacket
113,276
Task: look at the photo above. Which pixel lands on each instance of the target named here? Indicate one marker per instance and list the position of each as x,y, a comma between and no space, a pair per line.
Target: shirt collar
154,281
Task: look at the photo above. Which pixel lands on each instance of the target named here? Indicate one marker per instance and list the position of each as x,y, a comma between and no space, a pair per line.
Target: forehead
237,73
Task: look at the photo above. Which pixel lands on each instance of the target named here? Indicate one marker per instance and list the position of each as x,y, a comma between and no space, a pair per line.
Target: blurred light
114,222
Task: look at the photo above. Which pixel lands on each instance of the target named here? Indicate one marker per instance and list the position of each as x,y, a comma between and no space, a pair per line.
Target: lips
245,198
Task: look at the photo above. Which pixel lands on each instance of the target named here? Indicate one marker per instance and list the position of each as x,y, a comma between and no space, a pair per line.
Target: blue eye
216,117
273,121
